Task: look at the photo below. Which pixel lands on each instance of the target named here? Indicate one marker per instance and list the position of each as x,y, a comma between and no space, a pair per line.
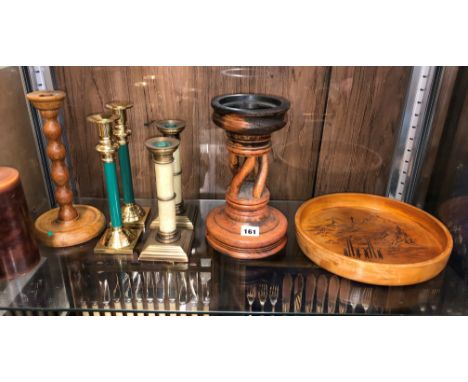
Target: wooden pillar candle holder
133,215
246,227
18,248
68,224
186,215
116,239
170,243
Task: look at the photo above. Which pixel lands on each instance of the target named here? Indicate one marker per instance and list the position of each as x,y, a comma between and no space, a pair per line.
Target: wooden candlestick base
223,234
246,227
69,224
54,233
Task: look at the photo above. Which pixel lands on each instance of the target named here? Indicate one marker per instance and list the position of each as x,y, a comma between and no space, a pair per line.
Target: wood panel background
342,124
450,176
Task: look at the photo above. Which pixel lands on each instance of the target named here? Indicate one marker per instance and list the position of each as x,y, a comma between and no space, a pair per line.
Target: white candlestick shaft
177,176
165,191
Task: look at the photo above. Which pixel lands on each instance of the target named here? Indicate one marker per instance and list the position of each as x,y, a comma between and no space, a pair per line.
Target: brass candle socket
186,215
133,215
106,146
120,130
116,239
170,243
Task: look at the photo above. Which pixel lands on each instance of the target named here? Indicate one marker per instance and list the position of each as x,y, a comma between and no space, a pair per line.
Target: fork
262,294
422,300
366,299
251,295
434,298
274,291
355,297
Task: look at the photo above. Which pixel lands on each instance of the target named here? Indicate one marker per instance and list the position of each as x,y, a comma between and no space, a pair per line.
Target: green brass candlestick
170,242
116,238
133,215
186,214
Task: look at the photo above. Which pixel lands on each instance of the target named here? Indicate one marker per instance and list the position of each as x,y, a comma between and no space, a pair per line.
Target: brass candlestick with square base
186,214
69,224
133,215
170,243
116,239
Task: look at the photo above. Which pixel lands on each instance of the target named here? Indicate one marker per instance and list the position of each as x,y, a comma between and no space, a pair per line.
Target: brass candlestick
186,215
69,224
116,238
133,215
170,243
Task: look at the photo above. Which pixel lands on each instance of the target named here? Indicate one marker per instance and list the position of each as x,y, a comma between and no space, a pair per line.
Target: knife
115,294
149,291
286,293
193,285
311,281
127,293
345,290
322,284
171,291
138,292
205,278
104,290
298,290
333,288
182,292
93,287
160,290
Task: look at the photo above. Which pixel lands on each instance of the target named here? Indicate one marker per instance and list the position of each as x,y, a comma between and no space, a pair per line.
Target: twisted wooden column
246,227
241,173
56,152
68,224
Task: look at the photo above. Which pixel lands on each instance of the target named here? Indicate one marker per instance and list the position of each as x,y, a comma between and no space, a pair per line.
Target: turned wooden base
224,234
53,233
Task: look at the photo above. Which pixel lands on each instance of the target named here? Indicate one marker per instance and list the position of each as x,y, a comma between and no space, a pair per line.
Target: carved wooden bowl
372,239
250,114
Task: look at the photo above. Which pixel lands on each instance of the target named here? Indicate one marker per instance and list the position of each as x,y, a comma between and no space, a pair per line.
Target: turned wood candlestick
68,224
246,227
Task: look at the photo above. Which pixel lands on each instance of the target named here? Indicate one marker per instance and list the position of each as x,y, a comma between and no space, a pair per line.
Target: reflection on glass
140,84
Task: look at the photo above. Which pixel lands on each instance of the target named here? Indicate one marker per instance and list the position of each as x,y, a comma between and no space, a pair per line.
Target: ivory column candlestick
116,238
133,214
246,227
68,224
173,128
186,215
170,243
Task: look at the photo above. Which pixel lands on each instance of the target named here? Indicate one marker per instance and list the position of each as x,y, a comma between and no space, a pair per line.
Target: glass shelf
75,281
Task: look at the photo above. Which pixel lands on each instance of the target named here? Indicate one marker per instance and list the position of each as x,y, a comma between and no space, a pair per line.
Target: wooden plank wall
342,124
449,178
362,123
